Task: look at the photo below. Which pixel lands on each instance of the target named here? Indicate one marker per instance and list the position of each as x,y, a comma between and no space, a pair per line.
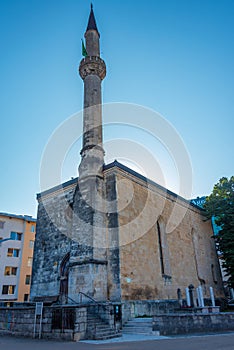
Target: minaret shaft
92,43
92,117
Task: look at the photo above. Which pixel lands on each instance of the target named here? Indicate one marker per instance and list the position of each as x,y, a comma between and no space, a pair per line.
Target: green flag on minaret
84,52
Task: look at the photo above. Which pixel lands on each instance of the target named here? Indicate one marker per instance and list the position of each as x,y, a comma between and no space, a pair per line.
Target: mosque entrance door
64,276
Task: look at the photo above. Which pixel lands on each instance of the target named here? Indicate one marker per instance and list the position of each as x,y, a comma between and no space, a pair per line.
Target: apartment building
17,236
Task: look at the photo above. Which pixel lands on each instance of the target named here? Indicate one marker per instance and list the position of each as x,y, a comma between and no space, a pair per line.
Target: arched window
160,248
163,250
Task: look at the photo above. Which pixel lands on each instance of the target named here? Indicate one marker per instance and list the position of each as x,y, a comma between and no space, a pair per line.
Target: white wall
16,225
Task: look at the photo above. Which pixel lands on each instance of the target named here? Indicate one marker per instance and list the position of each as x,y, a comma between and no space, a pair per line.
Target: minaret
92,70
88,258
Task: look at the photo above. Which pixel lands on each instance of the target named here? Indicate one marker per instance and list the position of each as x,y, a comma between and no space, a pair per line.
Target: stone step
110,336
106,331
98,324
99,329
137,330
134,331
139,333
138,326
101,326
95,318
105,334
140,320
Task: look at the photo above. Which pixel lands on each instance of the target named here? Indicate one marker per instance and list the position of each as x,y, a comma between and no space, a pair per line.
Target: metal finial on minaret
92,70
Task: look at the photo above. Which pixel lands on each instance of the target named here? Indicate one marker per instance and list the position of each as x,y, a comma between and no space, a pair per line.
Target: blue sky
173,56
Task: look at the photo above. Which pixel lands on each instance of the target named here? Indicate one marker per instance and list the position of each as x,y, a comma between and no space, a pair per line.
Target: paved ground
208,342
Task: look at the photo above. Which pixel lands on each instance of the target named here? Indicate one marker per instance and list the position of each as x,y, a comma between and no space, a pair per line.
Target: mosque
95,233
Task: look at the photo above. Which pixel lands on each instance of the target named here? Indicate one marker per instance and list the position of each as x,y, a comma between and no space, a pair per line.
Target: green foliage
220,204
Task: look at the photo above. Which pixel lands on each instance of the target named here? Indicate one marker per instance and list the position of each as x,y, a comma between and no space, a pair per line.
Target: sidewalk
126,338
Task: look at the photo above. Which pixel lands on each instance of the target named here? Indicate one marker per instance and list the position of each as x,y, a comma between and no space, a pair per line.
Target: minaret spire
92,21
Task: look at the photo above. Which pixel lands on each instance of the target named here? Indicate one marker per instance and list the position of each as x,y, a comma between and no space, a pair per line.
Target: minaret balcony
92,65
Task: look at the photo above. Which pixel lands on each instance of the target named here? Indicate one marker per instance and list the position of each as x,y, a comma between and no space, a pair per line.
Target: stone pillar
212,296
179,297
200,297
191,288
187,297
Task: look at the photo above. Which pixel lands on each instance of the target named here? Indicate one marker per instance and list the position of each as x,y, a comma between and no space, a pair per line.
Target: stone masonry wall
194,323
53,241
147,308
19,321
187,248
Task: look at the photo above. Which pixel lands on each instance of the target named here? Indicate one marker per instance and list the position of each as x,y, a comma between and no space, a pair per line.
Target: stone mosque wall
154,263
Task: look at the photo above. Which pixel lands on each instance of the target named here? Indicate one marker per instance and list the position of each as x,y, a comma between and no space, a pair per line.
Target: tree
220,205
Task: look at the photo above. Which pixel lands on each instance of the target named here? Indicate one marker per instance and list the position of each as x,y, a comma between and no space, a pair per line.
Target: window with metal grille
63,318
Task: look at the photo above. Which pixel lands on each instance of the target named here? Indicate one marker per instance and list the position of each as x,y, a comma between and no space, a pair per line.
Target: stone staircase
141,326
97,329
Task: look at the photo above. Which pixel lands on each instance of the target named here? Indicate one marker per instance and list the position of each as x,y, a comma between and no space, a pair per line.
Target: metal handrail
87,296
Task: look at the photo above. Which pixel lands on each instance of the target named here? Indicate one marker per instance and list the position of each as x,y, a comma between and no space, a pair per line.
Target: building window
160,248
27,279
26,297
16,236
8,290
30,261
32,228
2,224
10,271
13,252
31,244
